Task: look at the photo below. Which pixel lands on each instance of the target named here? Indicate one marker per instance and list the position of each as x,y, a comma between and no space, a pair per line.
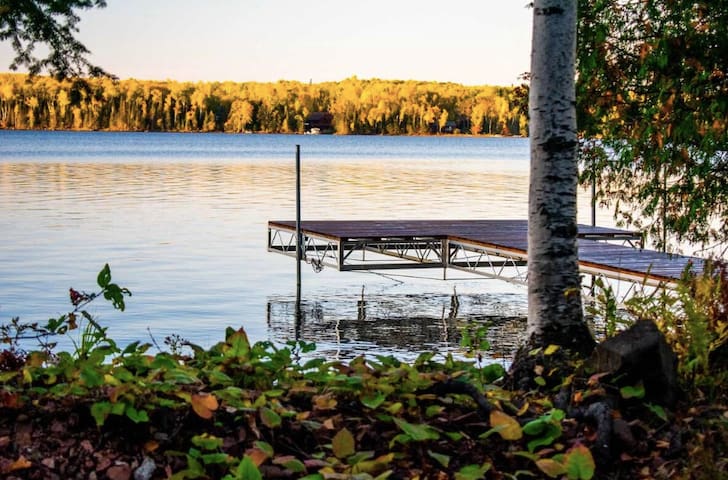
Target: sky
472,42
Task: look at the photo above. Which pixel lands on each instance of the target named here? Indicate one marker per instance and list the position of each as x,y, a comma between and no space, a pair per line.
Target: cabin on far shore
319,122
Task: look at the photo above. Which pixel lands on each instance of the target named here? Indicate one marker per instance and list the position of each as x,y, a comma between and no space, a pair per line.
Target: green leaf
374,401
472,472
291,463
135,415
548,436
418,433
636,391
215,458
131,348
540,381
247,470
535,427
493,372
579,463
343,443
91,377
270,418
434,410
239,345
7,376
207,442
658,410
104,276
442,459
100,410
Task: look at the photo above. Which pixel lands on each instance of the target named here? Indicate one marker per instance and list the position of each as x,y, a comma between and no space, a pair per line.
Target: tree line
358,106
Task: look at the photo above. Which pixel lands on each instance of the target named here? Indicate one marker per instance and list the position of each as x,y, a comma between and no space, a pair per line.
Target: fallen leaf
204,404
270,418
508,427
343,444
324,402
20,464
257,455
151,446
551,467
550,350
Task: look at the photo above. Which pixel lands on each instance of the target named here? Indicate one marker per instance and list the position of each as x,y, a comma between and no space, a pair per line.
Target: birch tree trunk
554,288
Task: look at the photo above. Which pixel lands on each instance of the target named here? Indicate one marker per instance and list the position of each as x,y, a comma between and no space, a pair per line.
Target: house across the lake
319,122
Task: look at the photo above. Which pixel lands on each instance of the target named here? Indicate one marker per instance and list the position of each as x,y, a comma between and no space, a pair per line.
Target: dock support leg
445,257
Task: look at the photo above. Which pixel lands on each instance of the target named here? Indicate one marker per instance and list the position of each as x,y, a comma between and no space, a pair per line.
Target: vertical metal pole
299,247
299,237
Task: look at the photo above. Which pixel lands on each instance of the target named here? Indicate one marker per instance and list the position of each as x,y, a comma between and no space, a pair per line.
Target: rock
145,470
640,353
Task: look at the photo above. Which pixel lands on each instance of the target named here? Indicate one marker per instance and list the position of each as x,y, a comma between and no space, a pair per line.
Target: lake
182,221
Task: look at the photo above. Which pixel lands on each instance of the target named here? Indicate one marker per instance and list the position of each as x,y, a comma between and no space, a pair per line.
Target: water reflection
182,219
404,326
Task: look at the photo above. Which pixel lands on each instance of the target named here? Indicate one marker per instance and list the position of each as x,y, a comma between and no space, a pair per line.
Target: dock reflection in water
402,325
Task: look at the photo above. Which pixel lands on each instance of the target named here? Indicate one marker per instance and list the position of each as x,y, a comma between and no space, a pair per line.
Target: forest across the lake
356,106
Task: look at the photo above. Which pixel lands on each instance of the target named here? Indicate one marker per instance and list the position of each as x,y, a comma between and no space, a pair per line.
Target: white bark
554,297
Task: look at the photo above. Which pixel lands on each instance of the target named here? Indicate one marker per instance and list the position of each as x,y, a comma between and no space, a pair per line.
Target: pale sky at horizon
470,42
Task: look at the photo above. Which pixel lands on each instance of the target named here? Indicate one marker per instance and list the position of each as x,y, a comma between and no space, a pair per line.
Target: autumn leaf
270,418
257,456
551,467
506,426
20,464
204,404
324,402
550,350
343,444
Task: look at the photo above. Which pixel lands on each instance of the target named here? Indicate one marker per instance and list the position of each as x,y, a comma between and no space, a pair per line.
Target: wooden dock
495,248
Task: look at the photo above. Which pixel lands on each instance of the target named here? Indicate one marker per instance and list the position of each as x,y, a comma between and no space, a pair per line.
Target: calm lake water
182,221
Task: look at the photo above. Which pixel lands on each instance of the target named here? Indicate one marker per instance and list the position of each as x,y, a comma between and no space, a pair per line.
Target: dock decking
496,248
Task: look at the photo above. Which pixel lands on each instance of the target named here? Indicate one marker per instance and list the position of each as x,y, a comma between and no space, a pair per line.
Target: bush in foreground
243,411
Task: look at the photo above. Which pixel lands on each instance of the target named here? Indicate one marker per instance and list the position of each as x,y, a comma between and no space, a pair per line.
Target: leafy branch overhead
52,24
653,92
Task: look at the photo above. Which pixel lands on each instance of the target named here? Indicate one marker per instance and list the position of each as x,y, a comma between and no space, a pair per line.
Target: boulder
640,353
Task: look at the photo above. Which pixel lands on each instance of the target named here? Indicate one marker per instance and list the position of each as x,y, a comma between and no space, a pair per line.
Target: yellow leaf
550,350
550,467
508,427
324,402
204,404
523,409
343,444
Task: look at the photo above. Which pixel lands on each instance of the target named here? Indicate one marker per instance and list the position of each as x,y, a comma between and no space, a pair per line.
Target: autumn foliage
359,106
